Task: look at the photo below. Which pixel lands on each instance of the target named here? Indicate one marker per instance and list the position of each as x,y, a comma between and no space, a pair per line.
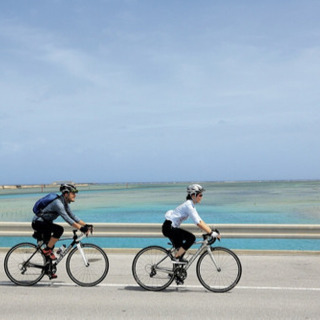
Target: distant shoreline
41,186
87,184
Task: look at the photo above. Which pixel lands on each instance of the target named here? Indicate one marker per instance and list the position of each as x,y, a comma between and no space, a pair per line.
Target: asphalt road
273,286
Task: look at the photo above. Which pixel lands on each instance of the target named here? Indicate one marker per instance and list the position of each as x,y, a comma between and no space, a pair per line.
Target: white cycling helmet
68,187
195,189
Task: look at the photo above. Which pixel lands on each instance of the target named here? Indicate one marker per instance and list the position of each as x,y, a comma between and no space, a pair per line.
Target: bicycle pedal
179,282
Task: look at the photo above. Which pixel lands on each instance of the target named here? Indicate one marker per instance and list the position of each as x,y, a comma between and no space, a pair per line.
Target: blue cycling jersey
58,207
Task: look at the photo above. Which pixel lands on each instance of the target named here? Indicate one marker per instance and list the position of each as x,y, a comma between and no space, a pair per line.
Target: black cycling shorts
48,229
179,237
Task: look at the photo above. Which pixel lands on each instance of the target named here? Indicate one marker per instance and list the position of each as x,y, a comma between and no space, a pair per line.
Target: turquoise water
284,202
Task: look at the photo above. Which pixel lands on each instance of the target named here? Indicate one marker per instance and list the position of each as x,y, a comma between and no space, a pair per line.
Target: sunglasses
200,195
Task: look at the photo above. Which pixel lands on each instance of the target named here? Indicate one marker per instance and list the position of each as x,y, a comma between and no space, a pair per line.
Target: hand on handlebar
90,227
215,234
87,228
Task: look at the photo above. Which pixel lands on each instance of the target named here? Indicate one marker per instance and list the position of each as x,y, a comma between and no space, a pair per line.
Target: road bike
86,264
218,269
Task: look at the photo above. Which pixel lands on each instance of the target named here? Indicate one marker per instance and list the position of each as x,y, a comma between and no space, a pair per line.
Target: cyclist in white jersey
183,239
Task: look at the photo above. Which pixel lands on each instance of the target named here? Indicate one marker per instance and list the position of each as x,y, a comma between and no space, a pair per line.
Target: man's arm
78,225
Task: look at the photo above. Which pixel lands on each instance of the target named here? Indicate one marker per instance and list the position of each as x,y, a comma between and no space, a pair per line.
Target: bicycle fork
209,250
85,261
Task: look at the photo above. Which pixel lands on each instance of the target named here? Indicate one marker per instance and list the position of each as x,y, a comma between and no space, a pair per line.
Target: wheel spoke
23,265
152,268
95,270
221,275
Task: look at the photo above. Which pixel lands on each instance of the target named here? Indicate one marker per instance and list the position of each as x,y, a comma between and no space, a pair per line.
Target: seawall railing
153,230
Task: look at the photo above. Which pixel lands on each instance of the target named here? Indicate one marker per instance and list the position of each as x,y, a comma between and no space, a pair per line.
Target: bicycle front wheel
87,267
153,269
220,270
24,264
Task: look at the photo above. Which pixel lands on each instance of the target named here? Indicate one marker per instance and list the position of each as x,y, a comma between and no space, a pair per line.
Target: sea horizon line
86,184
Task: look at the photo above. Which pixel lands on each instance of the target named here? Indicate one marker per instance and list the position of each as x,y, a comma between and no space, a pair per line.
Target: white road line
279,288
124,285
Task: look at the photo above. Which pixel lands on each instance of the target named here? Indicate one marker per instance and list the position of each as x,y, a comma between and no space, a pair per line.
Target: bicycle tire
145,273
228,275
95,272
20,272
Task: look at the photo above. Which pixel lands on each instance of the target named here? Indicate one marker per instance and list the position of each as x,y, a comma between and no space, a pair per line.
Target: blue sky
125,91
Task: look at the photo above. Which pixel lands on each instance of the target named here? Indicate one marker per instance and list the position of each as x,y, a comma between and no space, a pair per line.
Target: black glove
84,229
90,227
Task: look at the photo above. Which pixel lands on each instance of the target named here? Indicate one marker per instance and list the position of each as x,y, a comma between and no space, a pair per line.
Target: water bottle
61,250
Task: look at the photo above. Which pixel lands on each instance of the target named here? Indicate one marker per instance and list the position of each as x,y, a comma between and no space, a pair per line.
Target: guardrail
153,230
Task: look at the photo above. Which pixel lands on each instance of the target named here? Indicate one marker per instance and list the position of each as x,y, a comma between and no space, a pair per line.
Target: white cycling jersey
183,212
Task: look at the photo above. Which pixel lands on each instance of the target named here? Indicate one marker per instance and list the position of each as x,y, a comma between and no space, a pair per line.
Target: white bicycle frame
70,247
204,246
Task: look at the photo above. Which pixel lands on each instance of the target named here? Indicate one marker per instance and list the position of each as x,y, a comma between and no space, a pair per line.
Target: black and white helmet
195,189
68,187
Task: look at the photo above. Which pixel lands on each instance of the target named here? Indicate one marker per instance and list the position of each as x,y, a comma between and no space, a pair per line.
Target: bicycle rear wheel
153,269
219,271
94,271
24,265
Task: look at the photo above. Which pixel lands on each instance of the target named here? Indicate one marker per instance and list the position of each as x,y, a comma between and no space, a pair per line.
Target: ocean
258,202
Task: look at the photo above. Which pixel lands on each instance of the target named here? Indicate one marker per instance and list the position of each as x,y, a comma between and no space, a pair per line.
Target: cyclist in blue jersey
183,239
59,207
